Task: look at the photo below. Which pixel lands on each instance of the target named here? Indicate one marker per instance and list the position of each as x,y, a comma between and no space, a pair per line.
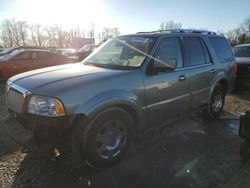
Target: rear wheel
217,100
108,137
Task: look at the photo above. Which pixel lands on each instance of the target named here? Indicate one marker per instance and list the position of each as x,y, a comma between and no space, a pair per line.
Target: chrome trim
201,90
16,106
194,66
155,105
22,90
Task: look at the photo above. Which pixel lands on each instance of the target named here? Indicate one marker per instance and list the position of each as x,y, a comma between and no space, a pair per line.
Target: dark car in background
242,67
82,53
10,50
22,60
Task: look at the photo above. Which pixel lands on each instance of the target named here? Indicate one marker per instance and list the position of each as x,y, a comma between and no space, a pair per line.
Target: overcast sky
129,15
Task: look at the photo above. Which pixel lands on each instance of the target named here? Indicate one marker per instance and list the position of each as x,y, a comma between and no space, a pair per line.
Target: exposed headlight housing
45,106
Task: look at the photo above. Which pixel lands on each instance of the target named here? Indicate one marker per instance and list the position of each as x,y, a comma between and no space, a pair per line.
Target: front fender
112,98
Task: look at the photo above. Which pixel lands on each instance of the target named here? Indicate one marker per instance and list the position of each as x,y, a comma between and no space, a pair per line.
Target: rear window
242,51
222,49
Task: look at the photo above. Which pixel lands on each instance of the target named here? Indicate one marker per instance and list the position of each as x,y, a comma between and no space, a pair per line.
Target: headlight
45,106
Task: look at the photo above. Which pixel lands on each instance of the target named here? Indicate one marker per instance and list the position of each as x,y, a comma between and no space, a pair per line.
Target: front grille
15,100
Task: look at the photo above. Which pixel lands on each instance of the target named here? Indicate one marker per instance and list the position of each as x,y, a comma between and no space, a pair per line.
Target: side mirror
158,66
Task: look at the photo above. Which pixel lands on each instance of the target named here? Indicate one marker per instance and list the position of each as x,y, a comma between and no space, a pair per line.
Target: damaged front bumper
17,132
39,134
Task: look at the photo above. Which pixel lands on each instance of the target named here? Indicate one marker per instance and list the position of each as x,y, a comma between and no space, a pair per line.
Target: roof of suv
176,31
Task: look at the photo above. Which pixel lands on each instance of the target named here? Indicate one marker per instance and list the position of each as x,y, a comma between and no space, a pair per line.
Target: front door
167,93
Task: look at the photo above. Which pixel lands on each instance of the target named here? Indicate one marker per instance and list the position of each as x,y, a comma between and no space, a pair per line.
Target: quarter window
43,55
34,55
221,48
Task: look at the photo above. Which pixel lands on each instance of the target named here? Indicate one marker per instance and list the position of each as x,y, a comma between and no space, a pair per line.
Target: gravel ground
190,152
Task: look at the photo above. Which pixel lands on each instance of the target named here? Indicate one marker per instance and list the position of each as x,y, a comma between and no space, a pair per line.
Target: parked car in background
10,50
131,83
23,60
82,53
242,67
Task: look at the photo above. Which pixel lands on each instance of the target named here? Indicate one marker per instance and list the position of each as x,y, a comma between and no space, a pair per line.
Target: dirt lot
191,152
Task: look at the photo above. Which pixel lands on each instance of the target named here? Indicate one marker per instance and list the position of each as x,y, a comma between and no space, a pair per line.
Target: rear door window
23,55
194,50
222,48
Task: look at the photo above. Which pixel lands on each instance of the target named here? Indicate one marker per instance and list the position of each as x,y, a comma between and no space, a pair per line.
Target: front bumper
39,134
17,132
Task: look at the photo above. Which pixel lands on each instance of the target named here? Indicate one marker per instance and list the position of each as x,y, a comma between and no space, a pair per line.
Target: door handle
212,70
182,78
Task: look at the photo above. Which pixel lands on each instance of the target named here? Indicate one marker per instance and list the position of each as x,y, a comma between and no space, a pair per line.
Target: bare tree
6,33
37,36
167,25
108,33
22,29
15,33
241,34
116,31
91,32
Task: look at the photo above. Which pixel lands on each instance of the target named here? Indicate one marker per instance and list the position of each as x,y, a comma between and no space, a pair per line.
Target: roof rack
182,31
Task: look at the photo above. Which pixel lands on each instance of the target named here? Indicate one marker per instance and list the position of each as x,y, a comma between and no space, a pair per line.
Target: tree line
20,33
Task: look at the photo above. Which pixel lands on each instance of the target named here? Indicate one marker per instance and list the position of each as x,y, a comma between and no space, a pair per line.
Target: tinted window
23,55
222,48
242,51
45,55
169,52
194,49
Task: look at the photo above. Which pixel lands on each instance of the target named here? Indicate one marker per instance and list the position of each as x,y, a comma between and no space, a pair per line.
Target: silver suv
94,109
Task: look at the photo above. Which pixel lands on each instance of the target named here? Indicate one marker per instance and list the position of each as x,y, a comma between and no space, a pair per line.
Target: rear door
201,69
167,93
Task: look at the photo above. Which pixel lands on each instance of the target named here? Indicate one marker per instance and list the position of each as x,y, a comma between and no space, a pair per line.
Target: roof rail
182,31
157,31
193,31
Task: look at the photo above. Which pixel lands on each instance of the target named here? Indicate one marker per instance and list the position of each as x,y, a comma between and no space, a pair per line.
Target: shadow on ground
192,152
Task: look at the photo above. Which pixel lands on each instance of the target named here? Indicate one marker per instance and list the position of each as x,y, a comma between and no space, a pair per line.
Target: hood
69,74
243,60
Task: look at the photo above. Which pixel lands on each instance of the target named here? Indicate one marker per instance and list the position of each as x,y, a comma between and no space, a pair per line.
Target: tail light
235,68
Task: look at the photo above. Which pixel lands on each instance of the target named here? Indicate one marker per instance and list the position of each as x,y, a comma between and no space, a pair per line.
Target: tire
217,100
107,138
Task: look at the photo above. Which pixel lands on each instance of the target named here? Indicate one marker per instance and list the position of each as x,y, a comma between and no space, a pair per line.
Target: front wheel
108,137
217,101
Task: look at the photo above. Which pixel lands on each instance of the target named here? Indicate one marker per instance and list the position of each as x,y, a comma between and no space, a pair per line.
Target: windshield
242,51
6,51
129,51
8,55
